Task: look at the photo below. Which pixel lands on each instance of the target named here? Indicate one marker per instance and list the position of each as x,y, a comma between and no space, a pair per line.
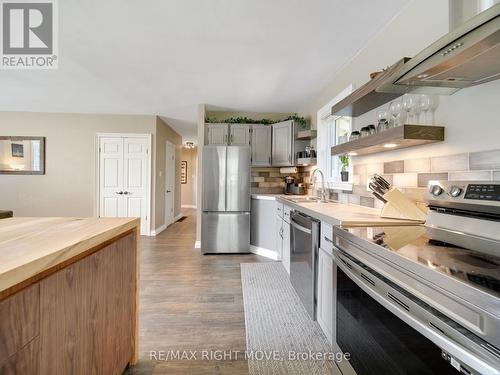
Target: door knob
168,191
126,193
119,192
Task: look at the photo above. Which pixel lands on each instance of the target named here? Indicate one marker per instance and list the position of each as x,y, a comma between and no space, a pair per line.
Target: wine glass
382,117
395,110
425,106
409,103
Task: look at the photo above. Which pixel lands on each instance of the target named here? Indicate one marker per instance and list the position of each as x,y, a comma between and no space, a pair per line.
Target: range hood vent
467,56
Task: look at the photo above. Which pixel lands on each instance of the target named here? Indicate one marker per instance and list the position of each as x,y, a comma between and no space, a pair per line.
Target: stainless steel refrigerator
225,221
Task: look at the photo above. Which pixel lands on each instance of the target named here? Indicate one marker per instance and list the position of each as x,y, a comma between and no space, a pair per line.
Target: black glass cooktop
472,260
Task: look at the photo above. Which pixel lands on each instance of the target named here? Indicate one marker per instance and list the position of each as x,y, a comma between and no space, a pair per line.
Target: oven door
374,327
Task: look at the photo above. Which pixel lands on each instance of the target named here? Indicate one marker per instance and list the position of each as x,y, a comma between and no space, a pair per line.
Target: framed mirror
22,155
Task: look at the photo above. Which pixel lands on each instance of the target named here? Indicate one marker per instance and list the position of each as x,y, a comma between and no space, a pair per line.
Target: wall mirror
22,155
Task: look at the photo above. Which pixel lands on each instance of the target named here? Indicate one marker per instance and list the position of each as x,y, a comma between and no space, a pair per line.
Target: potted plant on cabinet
344,172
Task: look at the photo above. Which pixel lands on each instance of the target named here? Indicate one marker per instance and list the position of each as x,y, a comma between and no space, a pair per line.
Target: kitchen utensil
379,197
372,129
373,187
382,181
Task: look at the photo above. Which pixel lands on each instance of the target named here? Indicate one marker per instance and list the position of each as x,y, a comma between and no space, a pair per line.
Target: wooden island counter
68,295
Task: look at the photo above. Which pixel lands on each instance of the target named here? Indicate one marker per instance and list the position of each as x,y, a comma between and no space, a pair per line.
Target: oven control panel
484,192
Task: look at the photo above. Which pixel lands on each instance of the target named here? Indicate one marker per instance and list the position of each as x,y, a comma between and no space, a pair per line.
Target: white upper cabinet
282,148
261,145
217,134
239,135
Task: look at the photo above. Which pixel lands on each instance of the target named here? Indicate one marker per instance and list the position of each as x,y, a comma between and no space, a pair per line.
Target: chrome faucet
323,189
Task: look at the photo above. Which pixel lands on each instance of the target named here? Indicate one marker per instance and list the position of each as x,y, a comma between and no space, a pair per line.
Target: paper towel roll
288,170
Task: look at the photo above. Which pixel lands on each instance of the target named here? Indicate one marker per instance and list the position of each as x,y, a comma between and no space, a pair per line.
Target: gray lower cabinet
262,233
261,145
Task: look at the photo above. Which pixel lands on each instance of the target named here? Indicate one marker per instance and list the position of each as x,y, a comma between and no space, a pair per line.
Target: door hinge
99,149
147,151
146,218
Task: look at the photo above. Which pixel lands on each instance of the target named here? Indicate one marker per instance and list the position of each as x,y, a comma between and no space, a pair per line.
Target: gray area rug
277,322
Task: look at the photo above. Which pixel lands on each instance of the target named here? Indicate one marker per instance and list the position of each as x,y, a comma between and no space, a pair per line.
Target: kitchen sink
303,199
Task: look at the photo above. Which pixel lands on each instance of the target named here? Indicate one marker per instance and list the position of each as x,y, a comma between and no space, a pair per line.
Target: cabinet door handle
328,240
290,158
269,160
225,139
232,138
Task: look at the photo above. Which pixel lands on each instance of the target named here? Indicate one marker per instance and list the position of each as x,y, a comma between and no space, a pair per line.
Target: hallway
189,302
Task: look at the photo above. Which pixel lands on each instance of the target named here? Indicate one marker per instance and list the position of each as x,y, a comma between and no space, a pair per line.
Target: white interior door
110,177
124,178
169,183
135,181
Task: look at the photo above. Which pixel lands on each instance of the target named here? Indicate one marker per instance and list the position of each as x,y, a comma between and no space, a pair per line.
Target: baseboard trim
157,231
197,245
177,217
271,254
188,206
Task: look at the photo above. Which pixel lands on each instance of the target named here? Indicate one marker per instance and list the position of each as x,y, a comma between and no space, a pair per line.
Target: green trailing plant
344,162
301,121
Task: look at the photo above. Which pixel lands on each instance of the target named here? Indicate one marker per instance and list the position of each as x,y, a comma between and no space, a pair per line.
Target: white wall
470,115
68,187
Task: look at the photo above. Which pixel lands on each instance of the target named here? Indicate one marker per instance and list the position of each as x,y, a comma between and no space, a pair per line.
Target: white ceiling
167,56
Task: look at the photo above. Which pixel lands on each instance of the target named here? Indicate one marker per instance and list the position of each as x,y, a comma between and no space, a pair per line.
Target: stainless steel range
423,299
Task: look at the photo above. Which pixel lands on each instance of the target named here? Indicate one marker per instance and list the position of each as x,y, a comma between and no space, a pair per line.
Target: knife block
398,206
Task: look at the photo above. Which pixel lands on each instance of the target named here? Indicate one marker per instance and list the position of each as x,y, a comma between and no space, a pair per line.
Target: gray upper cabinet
261,145
282,148
217,134
239,135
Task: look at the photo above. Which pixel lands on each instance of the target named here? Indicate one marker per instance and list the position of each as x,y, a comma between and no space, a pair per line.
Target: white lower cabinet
286,246
325,292
278,236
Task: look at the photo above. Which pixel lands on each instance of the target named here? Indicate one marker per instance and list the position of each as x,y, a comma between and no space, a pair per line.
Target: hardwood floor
189,302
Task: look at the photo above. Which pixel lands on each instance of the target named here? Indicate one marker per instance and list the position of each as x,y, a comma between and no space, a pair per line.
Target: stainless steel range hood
467,56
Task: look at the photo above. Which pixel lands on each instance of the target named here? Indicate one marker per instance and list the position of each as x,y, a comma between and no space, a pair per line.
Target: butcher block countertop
344,214
30,246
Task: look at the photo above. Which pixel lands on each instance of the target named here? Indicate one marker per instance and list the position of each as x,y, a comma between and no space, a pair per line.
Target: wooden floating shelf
392,139
306,161
306,135
368,96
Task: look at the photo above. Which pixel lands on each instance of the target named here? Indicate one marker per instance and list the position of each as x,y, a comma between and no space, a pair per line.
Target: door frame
169,144
97,200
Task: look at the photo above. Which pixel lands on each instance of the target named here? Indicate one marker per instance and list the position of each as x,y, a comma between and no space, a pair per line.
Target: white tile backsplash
418,165
470,176
450,163
405,179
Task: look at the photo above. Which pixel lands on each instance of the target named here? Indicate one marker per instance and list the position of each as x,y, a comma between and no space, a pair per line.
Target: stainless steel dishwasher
304,247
